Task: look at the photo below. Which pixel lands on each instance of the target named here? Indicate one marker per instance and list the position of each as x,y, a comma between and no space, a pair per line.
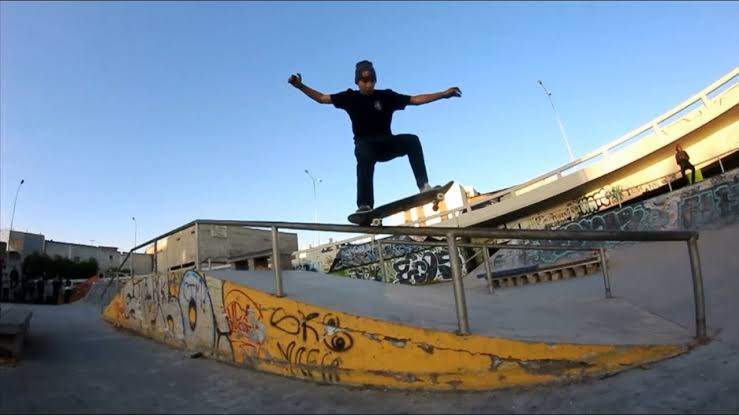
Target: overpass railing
451,235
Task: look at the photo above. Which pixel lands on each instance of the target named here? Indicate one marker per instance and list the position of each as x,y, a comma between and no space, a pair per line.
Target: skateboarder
371,112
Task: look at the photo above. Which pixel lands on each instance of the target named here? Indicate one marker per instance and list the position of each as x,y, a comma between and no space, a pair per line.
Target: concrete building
23,242
17,245
106,257
237,246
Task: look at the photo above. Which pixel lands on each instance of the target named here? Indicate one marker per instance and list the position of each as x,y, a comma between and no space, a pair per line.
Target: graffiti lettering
292,324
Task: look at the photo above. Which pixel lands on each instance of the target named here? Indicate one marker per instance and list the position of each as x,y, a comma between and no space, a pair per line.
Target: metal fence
451,235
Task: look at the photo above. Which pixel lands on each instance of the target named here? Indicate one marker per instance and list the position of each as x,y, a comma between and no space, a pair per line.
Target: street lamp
561,128
315,199
12,217
134,244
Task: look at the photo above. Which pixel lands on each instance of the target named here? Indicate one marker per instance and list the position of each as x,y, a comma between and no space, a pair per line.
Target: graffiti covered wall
598,200
404,264
712,202
243,326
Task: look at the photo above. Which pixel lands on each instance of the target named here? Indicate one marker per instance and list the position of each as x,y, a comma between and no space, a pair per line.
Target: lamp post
134,244
559,122
12,217
315,200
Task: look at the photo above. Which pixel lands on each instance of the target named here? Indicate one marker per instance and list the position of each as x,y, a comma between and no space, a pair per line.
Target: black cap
364,70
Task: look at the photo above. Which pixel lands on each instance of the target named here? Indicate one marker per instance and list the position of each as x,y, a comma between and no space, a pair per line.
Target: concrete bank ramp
102,292
354,332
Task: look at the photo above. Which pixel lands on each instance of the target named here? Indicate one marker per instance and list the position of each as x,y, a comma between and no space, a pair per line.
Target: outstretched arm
297,82
426,98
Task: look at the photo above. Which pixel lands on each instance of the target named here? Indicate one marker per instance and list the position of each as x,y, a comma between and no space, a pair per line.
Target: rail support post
488,273
276,262
381,258
699,299
459,298
604,270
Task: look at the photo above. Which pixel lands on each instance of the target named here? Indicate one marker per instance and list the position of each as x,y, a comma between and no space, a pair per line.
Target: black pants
687,166
370,150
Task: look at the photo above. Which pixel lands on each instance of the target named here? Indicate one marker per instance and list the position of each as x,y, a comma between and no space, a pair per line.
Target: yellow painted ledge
244,326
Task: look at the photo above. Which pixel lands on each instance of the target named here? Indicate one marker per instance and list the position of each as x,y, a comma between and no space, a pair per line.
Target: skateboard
374,217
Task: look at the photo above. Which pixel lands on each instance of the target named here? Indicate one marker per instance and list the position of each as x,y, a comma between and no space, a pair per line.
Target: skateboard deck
374,216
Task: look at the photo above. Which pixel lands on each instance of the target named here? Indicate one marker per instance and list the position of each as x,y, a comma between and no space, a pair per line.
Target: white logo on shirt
378,106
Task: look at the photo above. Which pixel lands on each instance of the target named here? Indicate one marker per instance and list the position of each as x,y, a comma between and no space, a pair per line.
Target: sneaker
363,209
425,188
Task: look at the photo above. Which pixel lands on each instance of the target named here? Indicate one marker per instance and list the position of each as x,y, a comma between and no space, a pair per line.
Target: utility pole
134,244
12,217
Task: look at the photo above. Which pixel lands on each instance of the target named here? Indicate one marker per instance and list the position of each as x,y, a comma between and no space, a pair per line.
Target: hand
296,80
452,92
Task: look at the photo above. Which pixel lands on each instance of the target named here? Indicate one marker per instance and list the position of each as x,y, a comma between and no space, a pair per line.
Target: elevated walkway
706,125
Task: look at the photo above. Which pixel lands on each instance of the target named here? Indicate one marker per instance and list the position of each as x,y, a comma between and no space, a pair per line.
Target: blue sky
175,111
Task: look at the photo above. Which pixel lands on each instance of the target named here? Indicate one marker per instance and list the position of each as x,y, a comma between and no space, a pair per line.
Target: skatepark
120,371
606,283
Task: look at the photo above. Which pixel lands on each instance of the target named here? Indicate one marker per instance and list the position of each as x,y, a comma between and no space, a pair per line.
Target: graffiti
293,325
712,201
597,201
368,272
198,318
307,361
245,325
195,312
177,306
424,267
404,263
336,339
306,266
356,255
709,206
304,353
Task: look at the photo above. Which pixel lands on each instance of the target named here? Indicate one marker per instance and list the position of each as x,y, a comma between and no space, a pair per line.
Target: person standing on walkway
683,160
371,113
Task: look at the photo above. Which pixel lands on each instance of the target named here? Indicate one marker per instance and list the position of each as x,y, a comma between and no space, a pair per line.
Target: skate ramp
353,332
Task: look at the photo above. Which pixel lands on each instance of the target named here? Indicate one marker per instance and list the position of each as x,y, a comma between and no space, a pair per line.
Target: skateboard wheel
440,197
376,222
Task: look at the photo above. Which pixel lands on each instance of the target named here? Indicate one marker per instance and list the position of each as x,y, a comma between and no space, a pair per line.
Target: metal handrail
451,235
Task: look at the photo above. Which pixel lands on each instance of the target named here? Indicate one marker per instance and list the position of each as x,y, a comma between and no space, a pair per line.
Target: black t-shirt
682,158
370,114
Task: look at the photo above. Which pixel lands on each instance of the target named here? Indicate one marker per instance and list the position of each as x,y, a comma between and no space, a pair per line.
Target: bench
14,327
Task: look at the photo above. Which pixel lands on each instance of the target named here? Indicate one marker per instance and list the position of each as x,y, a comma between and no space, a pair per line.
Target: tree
37,264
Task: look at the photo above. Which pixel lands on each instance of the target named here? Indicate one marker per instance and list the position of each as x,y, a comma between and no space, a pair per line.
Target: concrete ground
78,363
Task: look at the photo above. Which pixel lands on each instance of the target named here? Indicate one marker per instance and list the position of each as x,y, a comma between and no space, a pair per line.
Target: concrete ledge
14,327
535,274
236,323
